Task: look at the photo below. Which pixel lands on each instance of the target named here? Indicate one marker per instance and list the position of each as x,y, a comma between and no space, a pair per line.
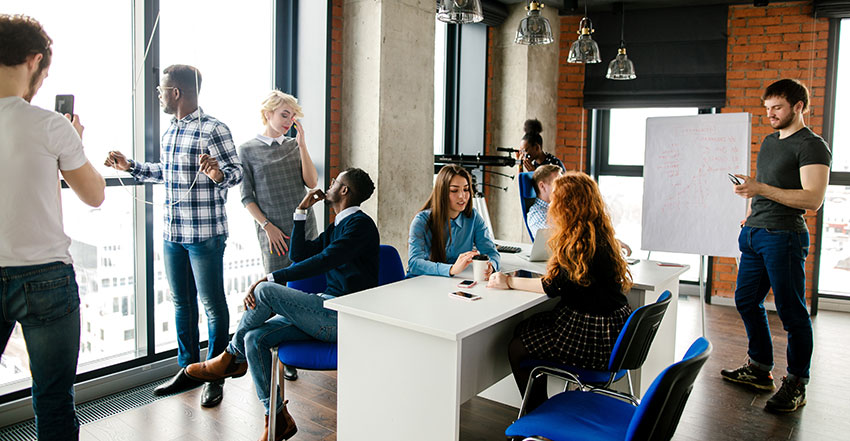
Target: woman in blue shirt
448,232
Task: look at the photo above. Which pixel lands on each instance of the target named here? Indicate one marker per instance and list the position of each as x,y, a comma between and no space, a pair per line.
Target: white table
409,355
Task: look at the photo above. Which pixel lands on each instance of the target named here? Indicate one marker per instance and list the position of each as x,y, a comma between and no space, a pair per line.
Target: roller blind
679,56
832,8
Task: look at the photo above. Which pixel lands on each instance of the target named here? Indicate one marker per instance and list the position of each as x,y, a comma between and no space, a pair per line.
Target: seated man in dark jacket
347,253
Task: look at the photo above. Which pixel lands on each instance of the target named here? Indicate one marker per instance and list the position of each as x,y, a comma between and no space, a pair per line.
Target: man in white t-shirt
37,282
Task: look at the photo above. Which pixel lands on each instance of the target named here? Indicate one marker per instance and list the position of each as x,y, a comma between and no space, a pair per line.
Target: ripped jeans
295,315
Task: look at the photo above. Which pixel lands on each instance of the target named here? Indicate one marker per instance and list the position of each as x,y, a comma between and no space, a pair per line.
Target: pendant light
621,68
534,29
460,11
584,50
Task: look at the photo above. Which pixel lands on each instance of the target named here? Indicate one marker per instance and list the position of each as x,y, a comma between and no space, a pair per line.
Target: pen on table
669,264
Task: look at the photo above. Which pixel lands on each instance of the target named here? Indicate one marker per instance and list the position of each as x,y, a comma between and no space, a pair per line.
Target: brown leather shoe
284,426
218,368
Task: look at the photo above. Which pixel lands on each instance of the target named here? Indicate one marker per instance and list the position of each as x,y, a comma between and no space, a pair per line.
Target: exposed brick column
336,88
573,121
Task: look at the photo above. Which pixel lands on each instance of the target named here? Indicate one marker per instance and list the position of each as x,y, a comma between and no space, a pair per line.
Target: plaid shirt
536,216
199,214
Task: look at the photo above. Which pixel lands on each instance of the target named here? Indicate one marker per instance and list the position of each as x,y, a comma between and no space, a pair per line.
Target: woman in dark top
588,274
531,154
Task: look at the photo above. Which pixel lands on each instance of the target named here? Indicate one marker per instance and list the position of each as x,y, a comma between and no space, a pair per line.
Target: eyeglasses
161,89
334,180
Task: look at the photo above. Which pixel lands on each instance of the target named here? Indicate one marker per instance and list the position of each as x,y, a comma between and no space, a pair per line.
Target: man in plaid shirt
198,165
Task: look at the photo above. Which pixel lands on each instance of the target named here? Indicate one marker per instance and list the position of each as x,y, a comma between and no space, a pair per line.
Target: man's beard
783,123
33,86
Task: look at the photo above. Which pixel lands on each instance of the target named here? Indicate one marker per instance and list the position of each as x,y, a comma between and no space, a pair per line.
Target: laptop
540,251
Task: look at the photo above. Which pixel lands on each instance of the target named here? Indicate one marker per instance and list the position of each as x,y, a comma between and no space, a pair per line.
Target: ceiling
568,6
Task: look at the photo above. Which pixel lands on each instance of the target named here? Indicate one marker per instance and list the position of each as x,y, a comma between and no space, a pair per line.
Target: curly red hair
579,222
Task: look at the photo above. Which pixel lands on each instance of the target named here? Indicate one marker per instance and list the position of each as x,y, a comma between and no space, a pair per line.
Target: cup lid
481,257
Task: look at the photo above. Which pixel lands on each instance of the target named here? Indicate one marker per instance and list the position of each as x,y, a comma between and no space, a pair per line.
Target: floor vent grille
91,411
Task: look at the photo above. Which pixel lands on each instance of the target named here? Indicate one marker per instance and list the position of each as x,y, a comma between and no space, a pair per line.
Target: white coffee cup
480,263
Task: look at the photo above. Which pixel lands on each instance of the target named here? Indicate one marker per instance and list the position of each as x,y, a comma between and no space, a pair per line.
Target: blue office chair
319,355
629,352
527,195
600,414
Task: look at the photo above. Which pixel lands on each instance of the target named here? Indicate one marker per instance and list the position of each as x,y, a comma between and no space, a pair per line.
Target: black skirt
574,338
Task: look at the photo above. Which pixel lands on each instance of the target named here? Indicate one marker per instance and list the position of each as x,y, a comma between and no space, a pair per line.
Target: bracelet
508,282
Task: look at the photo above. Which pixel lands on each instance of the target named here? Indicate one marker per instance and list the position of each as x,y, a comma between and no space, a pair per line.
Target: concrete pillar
388,107
525,86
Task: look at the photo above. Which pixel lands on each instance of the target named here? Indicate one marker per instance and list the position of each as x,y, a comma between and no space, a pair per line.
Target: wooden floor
715,411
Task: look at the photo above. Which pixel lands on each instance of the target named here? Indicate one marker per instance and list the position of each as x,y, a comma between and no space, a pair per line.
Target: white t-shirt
34,145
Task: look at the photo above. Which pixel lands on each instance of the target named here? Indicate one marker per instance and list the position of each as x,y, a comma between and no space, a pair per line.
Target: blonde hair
275,99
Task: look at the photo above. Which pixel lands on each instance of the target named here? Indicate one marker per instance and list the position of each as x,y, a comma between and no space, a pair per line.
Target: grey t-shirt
778,165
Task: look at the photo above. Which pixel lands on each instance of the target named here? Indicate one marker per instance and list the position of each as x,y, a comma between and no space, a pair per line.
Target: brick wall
573,121
334,141
781,40
489,149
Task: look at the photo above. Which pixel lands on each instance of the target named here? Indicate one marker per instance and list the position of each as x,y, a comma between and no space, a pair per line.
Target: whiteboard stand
702,293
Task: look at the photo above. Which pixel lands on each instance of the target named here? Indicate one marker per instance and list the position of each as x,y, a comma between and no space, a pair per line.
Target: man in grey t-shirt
792,171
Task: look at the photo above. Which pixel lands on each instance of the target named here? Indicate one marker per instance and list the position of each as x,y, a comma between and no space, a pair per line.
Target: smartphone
466,284
735,180
65,104
464,295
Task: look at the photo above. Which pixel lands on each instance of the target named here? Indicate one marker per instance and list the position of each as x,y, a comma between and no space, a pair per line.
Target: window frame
599,165
835,177
146,136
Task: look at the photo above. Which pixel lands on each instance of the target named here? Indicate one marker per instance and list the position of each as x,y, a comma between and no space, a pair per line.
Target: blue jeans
197,269
775,259
45,300
301,316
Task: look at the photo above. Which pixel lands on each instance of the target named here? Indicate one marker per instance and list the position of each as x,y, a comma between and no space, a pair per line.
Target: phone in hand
735,180
466,284
65,104
464,295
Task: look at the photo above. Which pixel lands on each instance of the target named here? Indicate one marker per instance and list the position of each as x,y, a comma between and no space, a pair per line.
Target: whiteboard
689,205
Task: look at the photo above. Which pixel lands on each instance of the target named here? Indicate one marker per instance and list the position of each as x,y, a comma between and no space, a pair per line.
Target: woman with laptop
448,233
589,275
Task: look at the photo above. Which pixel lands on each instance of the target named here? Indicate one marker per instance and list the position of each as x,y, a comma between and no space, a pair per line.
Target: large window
834,268
232,89
618,166
104,101
117,248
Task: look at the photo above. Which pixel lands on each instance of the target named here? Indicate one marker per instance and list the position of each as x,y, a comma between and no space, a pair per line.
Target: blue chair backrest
658,414
635,339
312,285
527,195
390,268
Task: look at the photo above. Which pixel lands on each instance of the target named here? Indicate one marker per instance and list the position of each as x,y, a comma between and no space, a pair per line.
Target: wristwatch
263,225
301,211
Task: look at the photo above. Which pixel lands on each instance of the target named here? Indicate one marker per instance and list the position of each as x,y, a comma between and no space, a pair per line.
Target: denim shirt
466,232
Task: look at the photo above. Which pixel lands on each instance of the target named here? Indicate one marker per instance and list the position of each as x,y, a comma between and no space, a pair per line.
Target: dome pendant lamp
460,11
534,29
621,68
584,50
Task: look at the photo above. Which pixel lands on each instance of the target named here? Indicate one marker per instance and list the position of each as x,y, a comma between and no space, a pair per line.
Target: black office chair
601,414
629,353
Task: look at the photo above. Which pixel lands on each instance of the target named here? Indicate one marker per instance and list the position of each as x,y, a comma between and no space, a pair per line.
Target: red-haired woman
589,275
